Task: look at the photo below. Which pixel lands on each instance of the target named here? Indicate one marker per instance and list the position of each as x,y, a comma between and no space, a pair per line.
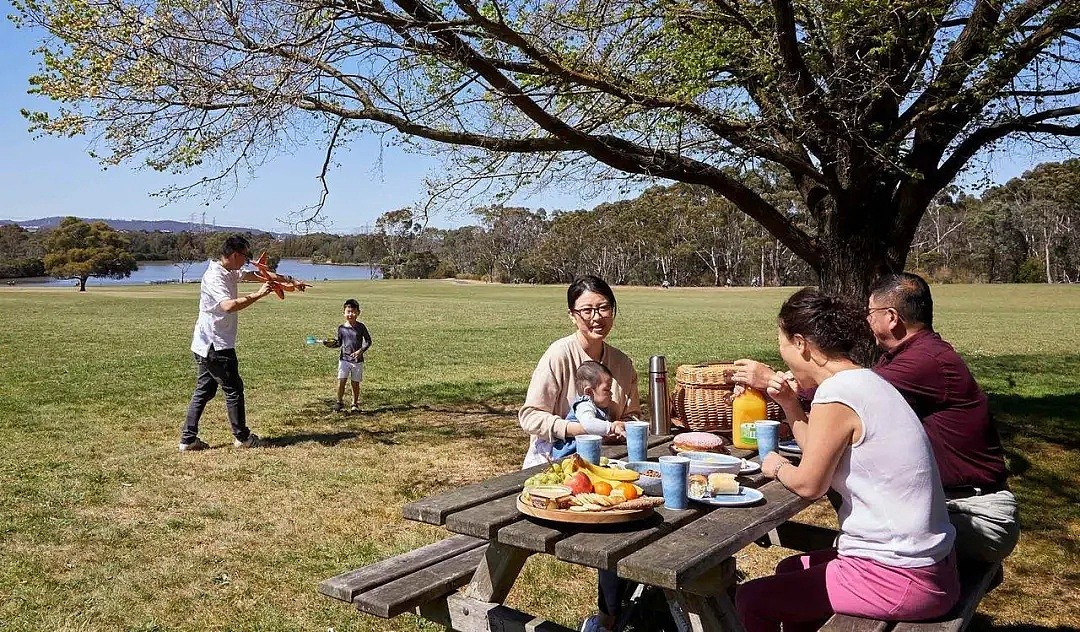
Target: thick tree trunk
82,284
854,252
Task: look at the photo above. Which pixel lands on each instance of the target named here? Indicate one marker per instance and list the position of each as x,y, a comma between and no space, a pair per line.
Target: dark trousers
217,368
611,591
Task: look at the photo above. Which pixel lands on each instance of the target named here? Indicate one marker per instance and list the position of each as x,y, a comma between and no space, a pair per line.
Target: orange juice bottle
747,408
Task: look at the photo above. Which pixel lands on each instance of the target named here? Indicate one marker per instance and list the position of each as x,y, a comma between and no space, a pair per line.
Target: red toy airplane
274,279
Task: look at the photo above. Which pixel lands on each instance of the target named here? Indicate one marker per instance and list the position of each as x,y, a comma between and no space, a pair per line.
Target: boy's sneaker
338,407
253,441
355,408
194,446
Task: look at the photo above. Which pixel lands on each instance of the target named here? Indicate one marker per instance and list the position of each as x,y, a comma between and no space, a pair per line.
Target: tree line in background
1022,231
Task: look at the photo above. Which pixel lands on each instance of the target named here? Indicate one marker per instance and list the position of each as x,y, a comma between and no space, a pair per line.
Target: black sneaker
253,441
338,407
355,409
194,446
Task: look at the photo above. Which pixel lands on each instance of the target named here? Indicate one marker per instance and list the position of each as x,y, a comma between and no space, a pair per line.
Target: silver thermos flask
658,397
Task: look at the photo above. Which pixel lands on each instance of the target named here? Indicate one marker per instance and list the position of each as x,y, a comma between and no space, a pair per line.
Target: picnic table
687,553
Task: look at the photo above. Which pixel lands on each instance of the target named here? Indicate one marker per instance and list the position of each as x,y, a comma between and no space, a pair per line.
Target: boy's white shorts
353,370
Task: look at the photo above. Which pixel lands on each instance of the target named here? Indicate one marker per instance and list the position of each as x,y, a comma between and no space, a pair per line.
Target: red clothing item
954,410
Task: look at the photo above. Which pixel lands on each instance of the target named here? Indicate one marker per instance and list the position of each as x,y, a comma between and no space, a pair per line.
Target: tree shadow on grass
396,424
1048,416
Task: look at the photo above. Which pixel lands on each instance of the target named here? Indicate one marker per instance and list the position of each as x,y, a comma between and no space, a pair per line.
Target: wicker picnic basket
701,399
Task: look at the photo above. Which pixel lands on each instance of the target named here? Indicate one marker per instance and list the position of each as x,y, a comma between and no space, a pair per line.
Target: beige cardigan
552,391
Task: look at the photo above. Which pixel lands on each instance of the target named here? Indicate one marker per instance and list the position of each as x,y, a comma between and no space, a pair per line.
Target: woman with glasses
591,306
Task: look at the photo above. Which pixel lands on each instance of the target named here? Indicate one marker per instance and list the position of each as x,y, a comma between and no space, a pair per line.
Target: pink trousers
807,589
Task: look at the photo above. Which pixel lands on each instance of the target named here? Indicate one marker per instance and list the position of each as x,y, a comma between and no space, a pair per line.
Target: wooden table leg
708,608
497,572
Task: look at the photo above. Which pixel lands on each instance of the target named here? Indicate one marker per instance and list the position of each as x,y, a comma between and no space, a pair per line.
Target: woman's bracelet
776,474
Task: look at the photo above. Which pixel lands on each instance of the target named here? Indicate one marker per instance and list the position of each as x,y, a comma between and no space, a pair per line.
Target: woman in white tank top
894,556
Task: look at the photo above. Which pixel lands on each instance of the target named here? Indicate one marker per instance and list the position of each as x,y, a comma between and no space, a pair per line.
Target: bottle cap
657,364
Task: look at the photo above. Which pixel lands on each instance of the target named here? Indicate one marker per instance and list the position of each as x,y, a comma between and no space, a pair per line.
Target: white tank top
894,506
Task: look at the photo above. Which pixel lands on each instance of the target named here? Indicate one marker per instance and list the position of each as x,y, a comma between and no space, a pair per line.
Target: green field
104,526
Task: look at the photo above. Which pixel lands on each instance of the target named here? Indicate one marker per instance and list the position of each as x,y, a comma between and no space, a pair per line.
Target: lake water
163,271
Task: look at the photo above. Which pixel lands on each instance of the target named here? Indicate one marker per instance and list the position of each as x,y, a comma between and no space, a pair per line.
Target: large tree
871,106
77,250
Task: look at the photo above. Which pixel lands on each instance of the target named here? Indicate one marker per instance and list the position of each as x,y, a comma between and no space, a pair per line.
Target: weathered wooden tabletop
672,550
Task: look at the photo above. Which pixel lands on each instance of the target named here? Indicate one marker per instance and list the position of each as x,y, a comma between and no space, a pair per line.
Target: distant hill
166,225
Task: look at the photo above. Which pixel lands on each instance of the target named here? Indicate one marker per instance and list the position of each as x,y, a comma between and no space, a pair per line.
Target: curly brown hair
836,326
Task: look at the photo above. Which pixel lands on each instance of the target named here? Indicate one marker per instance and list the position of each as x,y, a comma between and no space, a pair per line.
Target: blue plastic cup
674,471
588,446
637,440
768,437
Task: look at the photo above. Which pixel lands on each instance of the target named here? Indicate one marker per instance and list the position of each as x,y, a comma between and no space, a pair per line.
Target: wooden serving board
584,517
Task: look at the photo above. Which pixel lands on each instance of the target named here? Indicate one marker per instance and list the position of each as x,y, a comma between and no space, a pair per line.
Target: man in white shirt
214,342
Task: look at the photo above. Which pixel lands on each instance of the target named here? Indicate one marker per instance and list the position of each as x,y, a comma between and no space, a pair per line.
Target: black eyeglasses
604,311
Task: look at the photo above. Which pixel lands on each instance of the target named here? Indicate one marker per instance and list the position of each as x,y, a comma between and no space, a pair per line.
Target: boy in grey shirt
353,339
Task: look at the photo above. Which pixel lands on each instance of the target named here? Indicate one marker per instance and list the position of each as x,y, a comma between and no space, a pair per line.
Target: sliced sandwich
720,484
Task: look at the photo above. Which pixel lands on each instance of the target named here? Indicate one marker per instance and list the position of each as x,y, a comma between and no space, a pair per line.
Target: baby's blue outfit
561,448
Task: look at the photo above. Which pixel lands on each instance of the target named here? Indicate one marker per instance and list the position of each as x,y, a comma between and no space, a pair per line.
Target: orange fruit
628,490
602,487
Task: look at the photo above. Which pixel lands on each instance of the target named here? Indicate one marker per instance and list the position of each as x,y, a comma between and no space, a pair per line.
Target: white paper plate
749,467
746,496
790,446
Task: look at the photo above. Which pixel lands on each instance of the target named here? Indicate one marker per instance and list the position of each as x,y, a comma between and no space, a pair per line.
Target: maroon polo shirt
954,410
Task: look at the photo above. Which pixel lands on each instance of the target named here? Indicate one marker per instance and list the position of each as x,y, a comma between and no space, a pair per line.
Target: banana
611,474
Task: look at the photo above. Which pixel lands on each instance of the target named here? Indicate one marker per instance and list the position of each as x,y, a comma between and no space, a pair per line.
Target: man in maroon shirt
954,411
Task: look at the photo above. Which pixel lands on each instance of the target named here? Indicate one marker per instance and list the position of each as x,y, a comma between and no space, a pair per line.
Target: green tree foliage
77,250
1027,224
398,230
870,107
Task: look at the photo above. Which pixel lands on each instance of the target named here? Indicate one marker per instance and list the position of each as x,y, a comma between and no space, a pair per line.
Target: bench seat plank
347,585
846,623
421,586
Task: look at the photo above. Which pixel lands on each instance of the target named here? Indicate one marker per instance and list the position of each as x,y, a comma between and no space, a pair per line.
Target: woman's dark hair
908,294
836,326
589,283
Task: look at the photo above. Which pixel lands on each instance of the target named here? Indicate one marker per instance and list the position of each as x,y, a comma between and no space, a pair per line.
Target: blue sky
49,176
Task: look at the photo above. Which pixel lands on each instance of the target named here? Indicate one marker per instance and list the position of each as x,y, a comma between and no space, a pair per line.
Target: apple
579,483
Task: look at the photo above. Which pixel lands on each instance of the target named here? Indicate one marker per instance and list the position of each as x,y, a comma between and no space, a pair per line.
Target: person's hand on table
772,462
618,429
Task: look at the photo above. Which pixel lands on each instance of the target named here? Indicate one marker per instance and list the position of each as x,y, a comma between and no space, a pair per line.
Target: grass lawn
104,526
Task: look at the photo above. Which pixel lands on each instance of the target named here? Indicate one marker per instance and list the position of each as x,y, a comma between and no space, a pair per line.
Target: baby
593,381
